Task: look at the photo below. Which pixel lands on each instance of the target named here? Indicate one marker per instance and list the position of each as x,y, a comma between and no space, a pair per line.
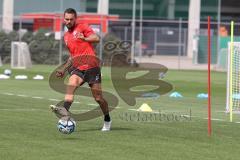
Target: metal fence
163,41
158,37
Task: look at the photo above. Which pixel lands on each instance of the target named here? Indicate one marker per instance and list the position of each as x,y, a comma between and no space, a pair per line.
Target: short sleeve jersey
81,52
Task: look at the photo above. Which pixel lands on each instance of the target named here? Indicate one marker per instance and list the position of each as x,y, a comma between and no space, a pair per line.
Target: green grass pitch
28,128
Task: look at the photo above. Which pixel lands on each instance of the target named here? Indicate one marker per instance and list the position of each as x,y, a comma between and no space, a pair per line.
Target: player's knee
73,83
69,98
98,99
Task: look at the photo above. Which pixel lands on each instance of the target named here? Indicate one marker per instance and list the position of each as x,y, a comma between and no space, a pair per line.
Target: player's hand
60,73
80,36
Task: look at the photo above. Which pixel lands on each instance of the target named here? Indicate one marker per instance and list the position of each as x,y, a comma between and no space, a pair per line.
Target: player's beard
70,26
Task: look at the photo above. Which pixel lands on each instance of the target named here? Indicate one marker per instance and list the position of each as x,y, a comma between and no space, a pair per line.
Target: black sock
67,105
107,118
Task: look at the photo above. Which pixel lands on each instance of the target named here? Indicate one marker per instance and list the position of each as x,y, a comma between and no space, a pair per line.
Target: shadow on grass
69,137
113,129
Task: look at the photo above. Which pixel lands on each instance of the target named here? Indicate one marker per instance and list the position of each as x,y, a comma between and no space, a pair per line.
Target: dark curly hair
71,11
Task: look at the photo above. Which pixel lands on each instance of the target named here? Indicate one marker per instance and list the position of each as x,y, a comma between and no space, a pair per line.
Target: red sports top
82,52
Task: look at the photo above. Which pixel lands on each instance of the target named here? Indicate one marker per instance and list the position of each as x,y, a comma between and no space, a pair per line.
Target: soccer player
82,65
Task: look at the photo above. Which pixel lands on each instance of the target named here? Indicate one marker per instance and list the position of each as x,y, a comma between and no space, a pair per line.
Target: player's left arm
88,35
93,38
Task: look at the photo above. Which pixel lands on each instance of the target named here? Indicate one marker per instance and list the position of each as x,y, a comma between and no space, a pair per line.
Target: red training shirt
82,52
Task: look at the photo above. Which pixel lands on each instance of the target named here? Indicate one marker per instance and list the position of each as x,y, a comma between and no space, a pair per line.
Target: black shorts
90,76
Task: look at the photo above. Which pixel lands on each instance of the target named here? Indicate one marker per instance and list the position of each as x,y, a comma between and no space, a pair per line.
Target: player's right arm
61,71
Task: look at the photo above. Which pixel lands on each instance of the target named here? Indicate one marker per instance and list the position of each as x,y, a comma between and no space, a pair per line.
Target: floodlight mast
133,30
7,19
140,28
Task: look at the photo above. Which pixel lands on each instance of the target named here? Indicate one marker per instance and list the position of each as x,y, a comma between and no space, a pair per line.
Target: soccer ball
66,126
7,72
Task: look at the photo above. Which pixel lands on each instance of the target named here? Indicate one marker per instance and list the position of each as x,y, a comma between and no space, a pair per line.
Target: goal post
0,61
233,78
20,55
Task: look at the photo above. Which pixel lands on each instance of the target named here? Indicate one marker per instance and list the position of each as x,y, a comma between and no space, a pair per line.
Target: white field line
237,122
52,99
42,98
76,102
22,109
9,94
91,104
133,110
37,97
213,119
35,109
22,95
